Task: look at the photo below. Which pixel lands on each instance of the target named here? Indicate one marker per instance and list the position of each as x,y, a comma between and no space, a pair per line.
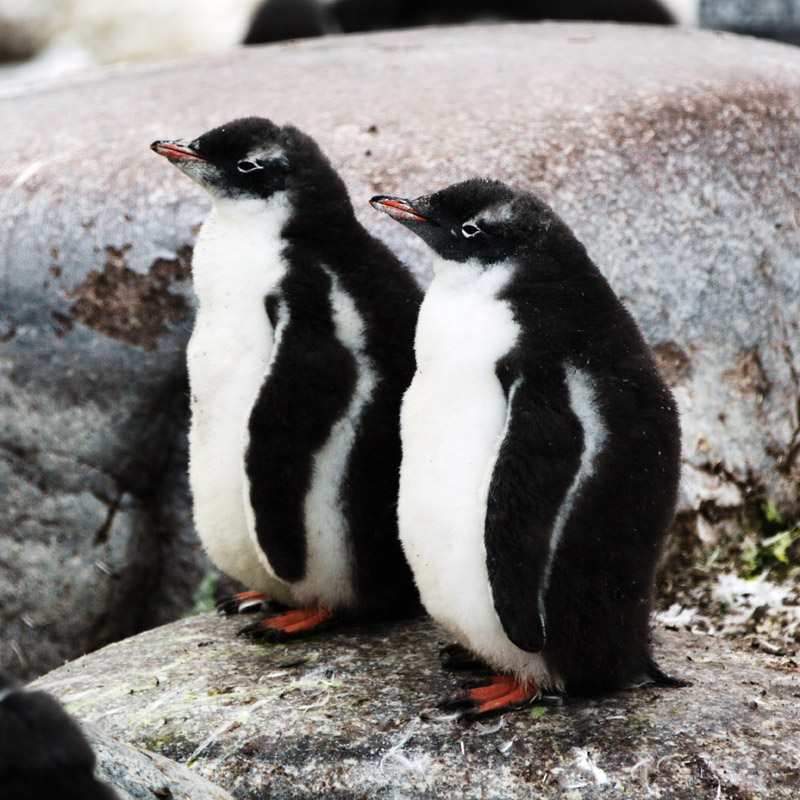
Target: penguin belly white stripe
583,402
237,262
328,560
463,330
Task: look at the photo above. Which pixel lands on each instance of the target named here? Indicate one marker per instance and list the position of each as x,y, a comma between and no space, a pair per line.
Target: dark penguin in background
277,20
366,15
43,752
301,351
541,451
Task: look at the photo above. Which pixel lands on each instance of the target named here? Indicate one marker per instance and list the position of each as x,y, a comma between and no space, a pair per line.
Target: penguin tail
657,676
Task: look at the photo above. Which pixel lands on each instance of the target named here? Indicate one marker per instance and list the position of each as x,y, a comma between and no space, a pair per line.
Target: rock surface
141,775
774,19
671,152
337,716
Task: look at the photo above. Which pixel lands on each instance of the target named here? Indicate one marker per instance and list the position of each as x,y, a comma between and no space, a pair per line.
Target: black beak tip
378,200
398,208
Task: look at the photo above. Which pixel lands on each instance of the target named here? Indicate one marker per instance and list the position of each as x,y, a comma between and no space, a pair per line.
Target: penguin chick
368,15
301,351
541,451
43,752
280,20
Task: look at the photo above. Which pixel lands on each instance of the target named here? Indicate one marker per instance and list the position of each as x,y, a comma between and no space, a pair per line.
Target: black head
254,158
477,220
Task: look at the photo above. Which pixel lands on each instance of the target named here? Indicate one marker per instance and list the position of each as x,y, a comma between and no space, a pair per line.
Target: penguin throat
464,273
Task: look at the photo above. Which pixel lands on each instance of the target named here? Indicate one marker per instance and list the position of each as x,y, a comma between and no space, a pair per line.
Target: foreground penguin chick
43,752
301,350
541,451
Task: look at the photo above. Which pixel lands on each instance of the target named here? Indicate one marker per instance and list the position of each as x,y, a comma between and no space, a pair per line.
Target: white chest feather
237,262
453,418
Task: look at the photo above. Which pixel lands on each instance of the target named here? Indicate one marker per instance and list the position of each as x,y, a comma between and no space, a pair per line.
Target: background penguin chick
301,351
276,20
281,20
541,451
43,752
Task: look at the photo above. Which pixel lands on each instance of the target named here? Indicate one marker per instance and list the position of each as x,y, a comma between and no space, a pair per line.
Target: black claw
229,606
548,700
455,702
261,632
248,630
470,715
456,658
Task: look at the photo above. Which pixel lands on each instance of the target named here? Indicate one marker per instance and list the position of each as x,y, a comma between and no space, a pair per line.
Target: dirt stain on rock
748,376
129,306
673,362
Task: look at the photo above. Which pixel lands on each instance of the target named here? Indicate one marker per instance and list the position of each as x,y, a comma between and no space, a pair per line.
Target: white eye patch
247,165
470,229
262,160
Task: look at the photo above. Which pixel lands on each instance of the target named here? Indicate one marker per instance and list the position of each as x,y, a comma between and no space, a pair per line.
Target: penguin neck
254,213
239,248
463,274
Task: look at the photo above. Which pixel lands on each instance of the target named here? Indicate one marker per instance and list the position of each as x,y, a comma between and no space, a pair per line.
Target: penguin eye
245,165
469,230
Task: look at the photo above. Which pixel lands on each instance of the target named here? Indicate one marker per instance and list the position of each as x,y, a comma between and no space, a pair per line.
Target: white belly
452,424
237,262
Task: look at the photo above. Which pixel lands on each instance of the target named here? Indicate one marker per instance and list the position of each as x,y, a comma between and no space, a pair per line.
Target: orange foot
500,694
289,625
243,603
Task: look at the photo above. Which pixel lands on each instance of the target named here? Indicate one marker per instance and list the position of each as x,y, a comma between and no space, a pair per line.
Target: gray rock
337,716
141,775
774,19
672,153
25,27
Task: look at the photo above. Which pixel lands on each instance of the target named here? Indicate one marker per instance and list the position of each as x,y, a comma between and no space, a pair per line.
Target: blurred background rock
40,39
771,19
52,37
45,38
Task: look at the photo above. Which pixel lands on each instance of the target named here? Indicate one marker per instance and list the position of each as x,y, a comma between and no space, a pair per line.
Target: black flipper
537,462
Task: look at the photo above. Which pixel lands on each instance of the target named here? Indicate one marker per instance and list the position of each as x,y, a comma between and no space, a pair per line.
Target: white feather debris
483,729
742,594
585,761
435,715
315,680
640,772
28,172
323,700
676,616
416,765
238,720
